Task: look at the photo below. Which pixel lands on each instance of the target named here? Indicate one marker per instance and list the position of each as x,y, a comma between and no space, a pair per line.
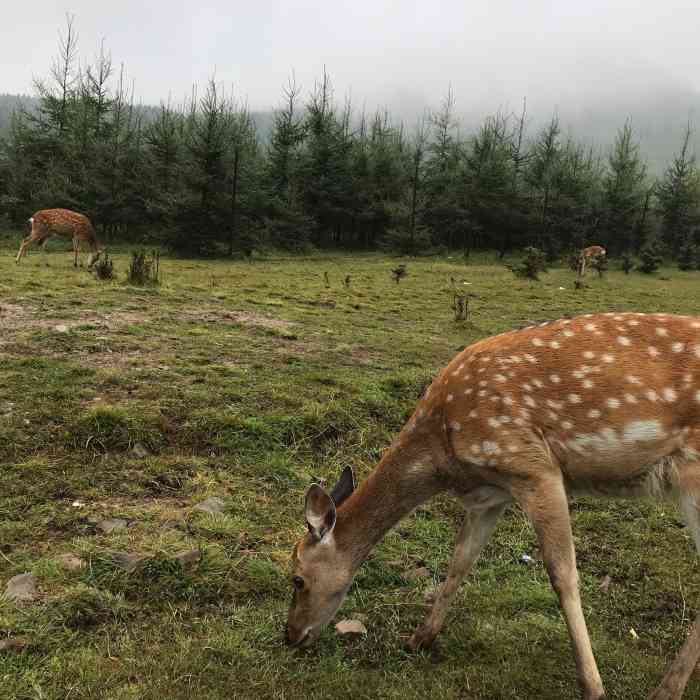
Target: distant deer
592,251
62,222
607,404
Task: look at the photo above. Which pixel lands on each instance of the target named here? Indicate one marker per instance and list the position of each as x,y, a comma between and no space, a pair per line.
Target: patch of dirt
20,317
243,318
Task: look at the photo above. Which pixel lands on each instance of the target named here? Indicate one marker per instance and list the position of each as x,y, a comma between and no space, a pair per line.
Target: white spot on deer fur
608,358
556,405
490,448
499,378
589,327
494,423
589,354
568,333
677,347
468,391
587,384
642,430
483,382
473,414
487,358
697,396
513,448
554,378
632,379
623,340
530,358
613,403
504,419
482,392
539,384
507,400
476,448
481,369
662,331
521,422
653,351
554,344
449,398
567,425
651,395
537,342
574,398
456,425
630,398
697,350
594,413
527,387
552,415
633,322
529,401
669,394
695,324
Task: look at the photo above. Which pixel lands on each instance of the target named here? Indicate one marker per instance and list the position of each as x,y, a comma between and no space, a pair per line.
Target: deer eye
298,582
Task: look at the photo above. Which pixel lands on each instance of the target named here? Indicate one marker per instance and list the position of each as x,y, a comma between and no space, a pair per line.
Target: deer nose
294,638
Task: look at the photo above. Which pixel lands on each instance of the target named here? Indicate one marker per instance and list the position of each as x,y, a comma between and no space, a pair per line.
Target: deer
592,251
605,404
62,222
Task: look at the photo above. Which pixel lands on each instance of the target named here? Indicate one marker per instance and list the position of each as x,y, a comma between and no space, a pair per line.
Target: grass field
247,382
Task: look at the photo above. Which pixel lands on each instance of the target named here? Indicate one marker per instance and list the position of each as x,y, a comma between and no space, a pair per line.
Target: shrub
651,257
144,269
688,255
627,263
103,269
531,265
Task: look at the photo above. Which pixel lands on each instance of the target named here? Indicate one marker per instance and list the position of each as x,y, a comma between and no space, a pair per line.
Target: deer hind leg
678,673
545,503
476,530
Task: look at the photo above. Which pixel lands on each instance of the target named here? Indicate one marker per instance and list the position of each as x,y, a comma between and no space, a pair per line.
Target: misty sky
400,54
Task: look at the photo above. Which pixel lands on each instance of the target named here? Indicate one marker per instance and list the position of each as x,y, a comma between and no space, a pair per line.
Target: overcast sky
397,53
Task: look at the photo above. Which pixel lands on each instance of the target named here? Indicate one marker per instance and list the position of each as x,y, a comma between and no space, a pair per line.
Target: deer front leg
543,498
23,248
476,530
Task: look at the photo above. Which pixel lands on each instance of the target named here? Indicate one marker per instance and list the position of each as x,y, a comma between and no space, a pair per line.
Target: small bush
531,265
103,269
688,255
650,257
627,263
144,269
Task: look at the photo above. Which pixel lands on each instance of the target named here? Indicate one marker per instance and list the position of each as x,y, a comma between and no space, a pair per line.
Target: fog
594,62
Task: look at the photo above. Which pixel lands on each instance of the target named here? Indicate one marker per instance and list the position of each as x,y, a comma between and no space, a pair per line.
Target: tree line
198,178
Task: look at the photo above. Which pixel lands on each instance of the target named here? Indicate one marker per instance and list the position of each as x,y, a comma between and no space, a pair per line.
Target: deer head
321,571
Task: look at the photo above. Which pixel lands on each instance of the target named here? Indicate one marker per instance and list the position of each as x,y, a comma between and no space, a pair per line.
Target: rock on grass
21,588
350,627
70,562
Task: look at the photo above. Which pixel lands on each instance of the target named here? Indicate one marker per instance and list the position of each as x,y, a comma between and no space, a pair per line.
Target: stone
13,644
21,587
129,561
350,627
188,556
61,328
70,562
111,525
213,505
138,450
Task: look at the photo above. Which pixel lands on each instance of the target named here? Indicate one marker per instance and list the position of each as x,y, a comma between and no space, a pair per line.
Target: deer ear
344,487
319,512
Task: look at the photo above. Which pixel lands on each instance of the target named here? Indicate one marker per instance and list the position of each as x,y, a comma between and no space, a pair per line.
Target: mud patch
240,318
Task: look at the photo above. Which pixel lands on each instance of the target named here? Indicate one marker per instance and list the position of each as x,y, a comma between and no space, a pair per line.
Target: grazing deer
592,251
62,222
607,404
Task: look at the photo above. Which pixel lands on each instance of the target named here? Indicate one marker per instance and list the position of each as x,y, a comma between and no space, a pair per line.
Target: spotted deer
62,222
606,404
586,254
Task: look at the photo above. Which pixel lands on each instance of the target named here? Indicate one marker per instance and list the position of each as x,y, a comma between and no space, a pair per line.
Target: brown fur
604,404
61,222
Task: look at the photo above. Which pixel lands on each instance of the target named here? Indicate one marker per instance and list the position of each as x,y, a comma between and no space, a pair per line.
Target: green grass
247,382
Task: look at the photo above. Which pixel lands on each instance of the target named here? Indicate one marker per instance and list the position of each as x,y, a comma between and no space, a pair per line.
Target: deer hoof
422,638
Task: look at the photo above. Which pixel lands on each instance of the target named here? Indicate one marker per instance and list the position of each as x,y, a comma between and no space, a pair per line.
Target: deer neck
403,479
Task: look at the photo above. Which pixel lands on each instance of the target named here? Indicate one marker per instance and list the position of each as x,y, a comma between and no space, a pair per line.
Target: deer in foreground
607,404
62,222
586,254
